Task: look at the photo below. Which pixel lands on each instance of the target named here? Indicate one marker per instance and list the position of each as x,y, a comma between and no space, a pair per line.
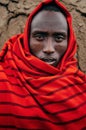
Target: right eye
39,37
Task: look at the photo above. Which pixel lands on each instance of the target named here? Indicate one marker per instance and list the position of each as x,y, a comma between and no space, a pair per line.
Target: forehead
49,20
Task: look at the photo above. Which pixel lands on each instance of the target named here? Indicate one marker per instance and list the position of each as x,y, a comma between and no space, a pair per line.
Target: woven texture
35,95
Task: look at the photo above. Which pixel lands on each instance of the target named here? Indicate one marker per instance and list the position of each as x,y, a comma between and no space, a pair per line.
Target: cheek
60,49
35,47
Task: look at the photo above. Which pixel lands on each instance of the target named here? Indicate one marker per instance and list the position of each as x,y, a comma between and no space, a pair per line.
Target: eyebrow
40,32
46,33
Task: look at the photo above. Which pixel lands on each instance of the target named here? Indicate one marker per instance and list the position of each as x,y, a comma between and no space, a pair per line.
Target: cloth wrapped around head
35,95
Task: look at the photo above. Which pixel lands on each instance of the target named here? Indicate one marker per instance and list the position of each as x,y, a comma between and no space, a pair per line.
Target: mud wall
13,15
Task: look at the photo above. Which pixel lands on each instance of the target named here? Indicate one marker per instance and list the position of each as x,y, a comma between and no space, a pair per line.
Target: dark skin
49,36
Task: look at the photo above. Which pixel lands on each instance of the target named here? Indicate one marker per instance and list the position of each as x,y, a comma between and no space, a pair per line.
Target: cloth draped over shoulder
35,95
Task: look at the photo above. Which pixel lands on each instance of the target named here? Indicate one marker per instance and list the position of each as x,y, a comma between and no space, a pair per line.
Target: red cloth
35,95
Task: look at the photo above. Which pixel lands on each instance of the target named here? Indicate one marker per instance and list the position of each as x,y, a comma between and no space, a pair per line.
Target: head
49,35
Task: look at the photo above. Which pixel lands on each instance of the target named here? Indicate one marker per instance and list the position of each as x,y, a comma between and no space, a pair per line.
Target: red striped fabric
35,95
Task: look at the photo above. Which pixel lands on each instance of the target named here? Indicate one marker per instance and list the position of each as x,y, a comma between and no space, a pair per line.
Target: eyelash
58,37
39,37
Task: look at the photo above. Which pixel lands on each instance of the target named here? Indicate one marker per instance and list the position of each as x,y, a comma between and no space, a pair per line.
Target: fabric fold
35,95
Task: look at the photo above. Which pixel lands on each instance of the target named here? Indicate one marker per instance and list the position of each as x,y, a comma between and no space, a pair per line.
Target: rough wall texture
13,15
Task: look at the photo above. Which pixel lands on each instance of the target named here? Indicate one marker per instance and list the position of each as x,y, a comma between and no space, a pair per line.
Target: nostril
48,51
49,46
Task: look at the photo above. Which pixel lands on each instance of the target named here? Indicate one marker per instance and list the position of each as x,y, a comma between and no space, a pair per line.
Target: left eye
59,38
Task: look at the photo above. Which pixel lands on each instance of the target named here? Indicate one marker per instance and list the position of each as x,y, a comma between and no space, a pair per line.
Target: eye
39,37
59,37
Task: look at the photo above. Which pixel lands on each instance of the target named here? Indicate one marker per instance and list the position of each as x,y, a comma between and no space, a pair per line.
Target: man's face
49,36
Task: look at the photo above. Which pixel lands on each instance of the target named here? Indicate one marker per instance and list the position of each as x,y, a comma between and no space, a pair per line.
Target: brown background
13,15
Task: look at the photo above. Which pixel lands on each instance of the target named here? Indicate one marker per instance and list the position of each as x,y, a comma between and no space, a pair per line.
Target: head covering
35,95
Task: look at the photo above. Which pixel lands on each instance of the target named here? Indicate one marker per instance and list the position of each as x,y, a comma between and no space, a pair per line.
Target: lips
50,61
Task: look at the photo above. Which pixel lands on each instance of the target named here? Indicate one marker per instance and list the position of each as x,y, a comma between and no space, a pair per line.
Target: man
41,87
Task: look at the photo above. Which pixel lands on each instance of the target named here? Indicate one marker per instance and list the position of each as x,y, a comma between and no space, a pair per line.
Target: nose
49,46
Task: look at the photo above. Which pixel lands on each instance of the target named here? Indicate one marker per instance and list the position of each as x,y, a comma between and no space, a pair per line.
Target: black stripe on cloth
84,128
40,70
41,85
3,70
70,109
7,126
65,87
14,93
17,104
15,127
13,76
50,81
48,94
41,119
28,81
47,82
35,106
64,100
59,77
19,69
15,84
6,67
